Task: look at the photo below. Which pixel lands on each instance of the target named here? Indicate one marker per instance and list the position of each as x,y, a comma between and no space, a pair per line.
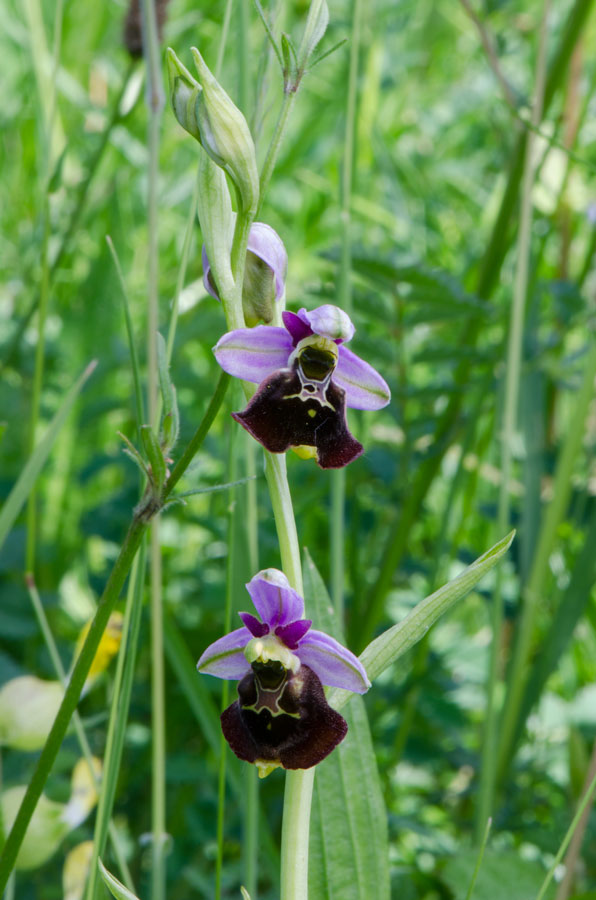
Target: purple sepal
256,628
275,601
253,353
334,664
364,387
293,633
225,657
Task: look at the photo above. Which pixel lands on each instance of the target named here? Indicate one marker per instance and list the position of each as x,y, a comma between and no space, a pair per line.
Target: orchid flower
264,273
306,378
281,716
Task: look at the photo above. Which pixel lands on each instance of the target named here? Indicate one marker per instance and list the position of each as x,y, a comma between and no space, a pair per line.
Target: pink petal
364,387
225,657
253,353
335,665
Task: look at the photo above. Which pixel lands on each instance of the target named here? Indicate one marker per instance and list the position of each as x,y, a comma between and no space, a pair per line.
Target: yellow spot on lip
312,413
266,767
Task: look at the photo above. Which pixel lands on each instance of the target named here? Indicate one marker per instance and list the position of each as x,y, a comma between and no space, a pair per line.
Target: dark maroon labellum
279,418
282,717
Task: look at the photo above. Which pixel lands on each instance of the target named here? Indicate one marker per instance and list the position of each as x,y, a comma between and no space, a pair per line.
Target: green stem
510,412
279,492
295,834
155,104
275,146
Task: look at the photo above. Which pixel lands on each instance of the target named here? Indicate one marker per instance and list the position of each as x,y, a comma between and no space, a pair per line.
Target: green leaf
348,841
154,455
27,478
396,641
115,887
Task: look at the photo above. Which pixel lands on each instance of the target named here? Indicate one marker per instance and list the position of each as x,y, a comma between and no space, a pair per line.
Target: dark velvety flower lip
301,731
279,419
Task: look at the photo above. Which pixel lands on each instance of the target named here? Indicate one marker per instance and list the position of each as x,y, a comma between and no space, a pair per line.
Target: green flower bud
205,110
28,707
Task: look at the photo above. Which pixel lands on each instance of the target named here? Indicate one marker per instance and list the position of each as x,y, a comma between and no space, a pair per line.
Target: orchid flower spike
281,716
306,378
264,274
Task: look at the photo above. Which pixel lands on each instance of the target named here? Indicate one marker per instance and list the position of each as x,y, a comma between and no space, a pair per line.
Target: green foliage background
435,140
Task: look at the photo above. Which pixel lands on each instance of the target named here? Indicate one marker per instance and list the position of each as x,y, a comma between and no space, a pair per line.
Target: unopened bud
205,110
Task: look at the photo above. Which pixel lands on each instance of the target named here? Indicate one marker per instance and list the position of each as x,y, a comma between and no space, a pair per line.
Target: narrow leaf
115,887
348,843
26,480
396,641
154,455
